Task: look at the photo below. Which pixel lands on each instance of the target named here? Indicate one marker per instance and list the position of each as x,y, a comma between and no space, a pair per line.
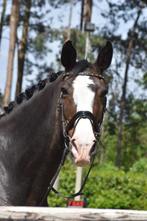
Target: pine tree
12,44
131,52
2,19
22,47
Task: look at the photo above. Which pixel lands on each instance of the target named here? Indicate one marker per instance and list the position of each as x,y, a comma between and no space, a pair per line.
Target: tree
86,12
1,99
130,57
22,46
124,92
39,36
12,44
2,19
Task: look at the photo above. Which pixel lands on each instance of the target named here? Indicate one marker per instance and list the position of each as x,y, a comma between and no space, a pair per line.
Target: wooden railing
70,214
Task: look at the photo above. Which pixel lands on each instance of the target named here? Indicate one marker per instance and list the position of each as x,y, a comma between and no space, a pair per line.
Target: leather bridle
66,126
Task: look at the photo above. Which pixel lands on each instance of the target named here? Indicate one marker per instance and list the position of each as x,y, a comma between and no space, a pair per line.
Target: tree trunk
67,33
118,160
23,47
86,19
87,11
11,53
82,15
2,19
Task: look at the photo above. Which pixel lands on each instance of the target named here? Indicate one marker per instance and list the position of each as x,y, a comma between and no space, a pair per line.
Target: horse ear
68,56
105,56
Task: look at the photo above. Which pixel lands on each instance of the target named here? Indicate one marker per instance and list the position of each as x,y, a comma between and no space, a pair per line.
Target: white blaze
82,94
83,135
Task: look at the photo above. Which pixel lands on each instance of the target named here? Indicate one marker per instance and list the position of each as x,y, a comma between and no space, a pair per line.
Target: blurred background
32,34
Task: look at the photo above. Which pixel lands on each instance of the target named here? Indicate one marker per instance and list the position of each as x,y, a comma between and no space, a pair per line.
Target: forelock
81,66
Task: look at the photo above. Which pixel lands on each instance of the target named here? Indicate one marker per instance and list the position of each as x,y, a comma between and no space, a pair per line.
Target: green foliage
67,181
109,142
134,142
107,187
78,39
135,129
113,188
140,166
143,81
39,44
58,3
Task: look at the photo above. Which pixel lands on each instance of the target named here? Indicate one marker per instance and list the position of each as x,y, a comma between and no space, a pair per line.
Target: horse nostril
74,143
93,149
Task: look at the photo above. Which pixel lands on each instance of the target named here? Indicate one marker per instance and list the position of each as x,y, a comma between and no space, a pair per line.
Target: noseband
82,115
68,125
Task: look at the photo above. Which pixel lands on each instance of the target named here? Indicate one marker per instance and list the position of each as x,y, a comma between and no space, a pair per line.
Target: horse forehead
82,82
82,92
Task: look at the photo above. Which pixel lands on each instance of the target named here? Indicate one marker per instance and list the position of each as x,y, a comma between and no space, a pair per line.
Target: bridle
66,126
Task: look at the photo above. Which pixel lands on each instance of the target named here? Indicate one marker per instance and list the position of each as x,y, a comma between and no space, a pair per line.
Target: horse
45,120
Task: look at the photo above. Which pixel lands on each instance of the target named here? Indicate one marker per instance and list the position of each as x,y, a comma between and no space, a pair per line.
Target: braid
29,92
42,84
10,107
20,98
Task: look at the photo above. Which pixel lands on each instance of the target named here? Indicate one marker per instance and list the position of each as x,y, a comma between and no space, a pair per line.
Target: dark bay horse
44,120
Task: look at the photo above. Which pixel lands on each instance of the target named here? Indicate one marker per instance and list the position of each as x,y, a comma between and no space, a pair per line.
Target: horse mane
29,92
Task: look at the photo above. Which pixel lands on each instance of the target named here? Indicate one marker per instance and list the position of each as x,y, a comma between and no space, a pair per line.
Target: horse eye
64,91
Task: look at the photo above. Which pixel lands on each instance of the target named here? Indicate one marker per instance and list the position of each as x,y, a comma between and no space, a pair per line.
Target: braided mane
29,92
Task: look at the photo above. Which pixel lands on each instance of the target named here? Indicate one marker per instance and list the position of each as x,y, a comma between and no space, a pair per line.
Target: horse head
83,100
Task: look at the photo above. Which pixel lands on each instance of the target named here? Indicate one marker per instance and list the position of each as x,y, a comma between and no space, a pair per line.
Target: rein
82,186
50,187
66,126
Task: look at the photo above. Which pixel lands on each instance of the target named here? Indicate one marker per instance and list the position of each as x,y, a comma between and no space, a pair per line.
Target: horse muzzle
82,153
81,133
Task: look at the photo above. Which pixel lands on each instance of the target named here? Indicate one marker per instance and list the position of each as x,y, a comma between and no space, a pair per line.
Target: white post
87,45
70,19
78,181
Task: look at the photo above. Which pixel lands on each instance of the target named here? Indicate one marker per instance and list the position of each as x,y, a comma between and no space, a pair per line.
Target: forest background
31,37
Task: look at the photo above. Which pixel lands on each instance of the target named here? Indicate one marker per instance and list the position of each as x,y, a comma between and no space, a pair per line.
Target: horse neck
34,151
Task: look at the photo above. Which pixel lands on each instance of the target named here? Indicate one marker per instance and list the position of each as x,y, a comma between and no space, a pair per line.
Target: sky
55,45
56,23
